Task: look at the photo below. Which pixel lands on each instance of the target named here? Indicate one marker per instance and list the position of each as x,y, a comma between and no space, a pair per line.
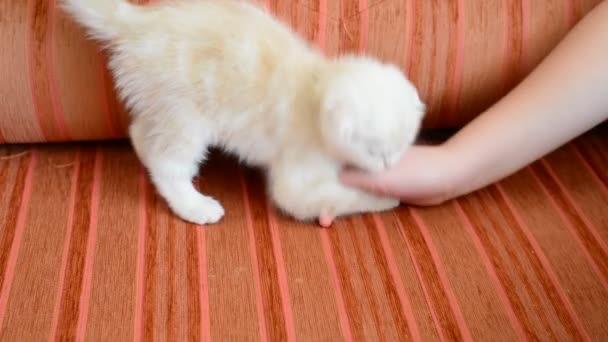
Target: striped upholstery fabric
87,250
462,54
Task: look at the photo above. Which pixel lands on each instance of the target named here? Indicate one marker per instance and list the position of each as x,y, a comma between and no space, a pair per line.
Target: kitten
227,73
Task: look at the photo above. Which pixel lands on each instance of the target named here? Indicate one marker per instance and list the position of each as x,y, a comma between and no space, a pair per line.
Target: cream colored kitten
226,73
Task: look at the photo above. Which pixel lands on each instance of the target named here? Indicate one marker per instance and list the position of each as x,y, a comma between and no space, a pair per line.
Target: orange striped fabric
89,251
462,54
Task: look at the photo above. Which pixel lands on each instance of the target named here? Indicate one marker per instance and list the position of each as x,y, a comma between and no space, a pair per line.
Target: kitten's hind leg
172,158
310,191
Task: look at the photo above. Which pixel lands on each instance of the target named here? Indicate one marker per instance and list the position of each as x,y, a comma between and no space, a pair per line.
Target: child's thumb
369,182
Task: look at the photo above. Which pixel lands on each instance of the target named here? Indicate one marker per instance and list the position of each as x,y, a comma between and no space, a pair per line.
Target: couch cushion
87,249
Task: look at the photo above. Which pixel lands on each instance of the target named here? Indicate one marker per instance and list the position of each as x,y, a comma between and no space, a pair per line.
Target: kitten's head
370,113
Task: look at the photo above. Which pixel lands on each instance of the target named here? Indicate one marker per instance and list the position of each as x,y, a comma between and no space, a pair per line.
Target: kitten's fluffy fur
226,73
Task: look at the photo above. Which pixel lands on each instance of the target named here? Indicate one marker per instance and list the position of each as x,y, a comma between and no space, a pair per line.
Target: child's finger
373,183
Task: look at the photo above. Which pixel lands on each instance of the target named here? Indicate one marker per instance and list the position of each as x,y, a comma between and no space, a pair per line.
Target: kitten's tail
106,20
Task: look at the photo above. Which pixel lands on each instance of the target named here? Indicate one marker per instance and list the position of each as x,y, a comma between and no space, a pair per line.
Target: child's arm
564,97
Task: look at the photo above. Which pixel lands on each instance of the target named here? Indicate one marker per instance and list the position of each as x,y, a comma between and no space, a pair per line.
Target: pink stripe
525,35
502,293
90,254
571,13
105,103
364,26
203,286
459,63
66,247
590,170
406,306
57,108
9,274
564,218
283,288
445,282
30,62
421,281
322,24
409,31
544,262
254,261
507,46
141,257
593,229
331,265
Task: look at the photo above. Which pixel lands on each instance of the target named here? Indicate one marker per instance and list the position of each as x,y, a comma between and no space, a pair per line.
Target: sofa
88,250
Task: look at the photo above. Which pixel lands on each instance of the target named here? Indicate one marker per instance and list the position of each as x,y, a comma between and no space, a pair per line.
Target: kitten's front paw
202,210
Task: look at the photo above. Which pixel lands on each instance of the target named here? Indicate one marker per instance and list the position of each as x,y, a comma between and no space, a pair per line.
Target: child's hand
424,176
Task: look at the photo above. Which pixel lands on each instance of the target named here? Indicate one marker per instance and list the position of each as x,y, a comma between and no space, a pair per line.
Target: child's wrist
457,172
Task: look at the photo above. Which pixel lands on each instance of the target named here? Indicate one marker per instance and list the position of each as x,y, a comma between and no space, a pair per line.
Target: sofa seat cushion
87,249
